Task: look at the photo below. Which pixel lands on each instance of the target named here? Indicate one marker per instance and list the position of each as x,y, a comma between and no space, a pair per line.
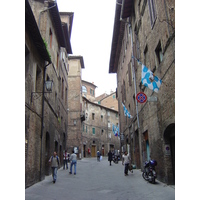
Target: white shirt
126,159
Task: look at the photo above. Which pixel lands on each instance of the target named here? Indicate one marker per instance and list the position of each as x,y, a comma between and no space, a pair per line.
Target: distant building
109,101
96,130
88,90
75,114
97,134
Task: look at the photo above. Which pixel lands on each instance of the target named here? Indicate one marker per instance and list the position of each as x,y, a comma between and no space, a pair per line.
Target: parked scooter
149,173
116,159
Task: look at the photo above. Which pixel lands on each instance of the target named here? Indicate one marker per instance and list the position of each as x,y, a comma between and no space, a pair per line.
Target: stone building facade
46,111
144,31
109,101
97,132
88,90
75,114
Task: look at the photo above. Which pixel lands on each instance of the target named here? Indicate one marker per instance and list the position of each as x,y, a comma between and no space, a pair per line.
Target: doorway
47,154
84,146
93,151
169,136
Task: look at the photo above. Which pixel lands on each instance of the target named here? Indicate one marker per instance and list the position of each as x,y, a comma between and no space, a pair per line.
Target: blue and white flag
150,80
115,130
126,113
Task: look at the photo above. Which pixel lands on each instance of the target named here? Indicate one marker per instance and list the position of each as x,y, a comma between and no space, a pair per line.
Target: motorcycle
115,159
149,173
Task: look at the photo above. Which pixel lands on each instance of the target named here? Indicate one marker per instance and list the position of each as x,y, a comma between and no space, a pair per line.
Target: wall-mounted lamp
48,86
74,122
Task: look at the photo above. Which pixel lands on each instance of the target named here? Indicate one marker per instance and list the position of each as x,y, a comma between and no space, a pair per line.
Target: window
101,118
130,73
38,80
152,12
65,96
50,38
62,95
108,113
159,53
57,64
93,116
123,90
108,124
93,130
84,89
146,55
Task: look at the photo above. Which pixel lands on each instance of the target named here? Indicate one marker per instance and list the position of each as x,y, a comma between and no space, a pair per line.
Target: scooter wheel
144,176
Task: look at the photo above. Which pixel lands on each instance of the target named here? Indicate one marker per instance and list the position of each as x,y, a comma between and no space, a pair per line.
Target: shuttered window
152,12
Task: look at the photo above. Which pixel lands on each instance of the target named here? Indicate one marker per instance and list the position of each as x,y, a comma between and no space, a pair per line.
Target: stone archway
169,138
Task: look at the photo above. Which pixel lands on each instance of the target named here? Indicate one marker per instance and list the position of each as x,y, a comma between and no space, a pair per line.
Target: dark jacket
109,156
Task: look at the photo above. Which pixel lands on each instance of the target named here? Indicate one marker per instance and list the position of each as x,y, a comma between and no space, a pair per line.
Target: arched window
84,89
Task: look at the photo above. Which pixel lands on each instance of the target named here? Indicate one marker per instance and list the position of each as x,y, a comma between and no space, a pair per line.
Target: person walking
110,157
65,159
73,159
125,161
54,160
98,156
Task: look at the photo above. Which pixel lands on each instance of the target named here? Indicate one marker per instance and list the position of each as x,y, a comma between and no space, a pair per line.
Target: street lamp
48,85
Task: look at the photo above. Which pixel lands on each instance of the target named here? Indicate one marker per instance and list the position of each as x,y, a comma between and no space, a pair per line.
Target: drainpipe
42,119
134,77
133,68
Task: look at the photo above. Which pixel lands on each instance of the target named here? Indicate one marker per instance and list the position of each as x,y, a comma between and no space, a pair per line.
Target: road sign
152,99
141,97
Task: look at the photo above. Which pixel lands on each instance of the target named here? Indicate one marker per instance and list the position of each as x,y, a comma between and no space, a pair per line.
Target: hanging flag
126,113
115,130
150,80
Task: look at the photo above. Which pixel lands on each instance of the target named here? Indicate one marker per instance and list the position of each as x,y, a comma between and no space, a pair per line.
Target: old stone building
75,114
97,132
109,101
46,109
144,33
88,90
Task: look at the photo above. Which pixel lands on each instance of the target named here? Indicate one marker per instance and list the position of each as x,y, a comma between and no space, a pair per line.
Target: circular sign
141,97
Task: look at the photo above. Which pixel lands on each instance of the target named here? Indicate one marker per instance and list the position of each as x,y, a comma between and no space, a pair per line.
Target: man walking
73,159
54,160
65,159
110,157
125,161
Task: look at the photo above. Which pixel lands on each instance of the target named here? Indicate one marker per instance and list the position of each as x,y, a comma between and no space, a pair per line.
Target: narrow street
98,180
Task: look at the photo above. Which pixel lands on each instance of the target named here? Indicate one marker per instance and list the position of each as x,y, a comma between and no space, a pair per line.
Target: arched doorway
56,147
169,136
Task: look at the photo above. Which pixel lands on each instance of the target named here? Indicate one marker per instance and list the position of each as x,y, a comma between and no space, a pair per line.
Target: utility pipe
42,118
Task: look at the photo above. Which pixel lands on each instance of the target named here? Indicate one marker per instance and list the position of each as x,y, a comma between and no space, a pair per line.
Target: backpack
57,159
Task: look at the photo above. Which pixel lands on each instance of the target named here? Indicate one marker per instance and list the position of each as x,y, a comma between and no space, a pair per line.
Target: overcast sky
91,38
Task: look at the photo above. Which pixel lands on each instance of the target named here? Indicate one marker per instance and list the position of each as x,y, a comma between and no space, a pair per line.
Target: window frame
152,12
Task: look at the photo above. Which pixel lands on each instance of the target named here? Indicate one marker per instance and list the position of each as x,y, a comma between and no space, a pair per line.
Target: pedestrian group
72,159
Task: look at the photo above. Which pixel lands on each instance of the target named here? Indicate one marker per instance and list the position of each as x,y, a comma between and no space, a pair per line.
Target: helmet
153,162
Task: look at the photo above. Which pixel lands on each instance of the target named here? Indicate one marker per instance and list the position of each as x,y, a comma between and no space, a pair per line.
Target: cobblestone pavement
99,181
